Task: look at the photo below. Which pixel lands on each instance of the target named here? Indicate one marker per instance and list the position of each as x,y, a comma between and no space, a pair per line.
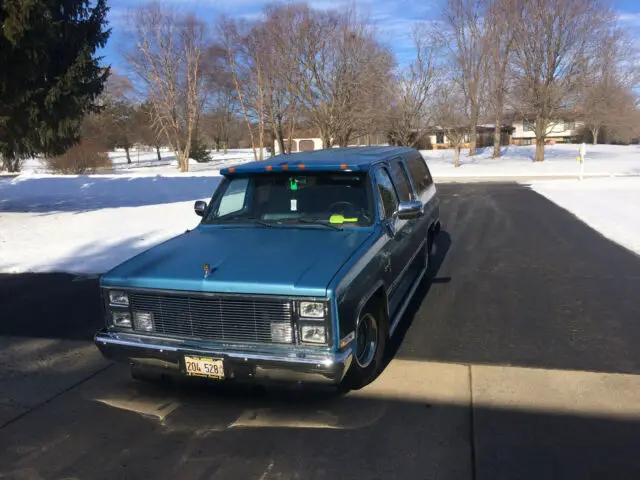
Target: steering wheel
348,205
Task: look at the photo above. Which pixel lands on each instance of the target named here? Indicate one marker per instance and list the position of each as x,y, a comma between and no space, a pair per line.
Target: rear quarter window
400,180
420,173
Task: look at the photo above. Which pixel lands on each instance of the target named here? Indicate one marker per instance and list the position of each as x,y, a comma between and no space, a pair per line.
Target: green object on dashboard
293,184
341,219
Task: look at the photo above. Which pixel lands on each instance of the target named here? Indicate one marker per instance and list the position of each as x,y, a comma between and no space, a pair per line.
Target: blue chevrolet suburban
299,271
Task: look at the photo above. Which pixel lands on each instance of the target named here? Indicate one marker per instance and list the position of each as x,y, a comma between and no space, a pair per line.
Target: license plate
204,367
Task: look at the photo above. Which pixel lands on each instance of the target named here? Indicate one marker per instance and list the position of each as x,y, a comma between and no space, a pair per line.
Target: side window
400,180
387,193
419,173
234,197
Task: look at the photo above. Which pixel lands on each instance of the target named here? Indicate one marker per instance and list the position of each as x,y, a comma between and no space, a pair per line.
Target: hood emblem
207,269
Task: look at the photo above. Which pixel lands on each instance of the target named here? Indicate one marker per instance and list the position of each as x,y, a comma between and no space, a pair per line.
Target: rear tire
369,345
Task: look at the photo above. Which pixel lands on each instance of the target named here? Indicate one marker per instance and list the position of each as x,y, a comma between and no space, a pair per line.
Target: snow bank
608,205
88,224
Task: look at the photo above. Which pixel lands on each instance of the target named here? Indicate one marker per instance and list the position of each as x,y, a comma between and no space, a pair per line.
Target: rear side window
387,193
419,173
400,180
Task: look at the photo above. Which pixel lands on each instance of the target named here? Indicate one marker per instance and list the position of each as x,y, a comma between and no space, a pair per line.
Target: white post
582,154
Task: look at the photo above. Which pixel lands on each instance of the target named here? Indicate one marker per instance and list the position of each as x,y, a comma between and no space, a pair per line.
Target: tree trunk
457,150
473,140
473,130
10,163
126,150
594,132
158,153
326,140
280,133
497,137
541,130
184,161
539,150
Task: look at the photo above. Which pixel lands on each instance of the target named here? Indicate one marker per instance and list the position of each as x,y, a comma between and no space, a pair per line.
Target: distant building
305,143
484,137
559,131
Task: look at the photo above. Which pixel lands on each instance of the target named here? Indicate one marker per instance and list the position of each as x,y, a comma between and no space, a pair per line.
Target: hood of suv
278,261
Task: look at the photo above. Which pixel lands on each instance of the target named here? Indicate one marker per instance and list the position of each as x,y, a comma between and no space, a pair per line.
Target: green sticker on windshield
293,184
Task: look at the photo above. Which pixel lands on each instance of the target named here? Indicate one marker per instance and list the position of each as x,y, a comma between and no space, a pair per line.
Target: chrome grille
218,318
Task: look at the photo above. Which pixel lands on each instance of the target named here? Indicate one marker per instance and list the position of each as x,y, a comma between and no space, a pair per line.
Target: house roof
332,159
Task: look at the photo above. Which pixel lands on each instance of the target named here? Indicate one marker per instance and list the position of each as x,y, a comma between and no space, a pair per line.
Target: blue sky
393,18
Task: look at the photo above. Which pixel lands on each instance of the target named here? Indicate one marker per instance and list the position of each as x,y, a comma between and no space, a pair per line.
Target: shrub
84,157
199,151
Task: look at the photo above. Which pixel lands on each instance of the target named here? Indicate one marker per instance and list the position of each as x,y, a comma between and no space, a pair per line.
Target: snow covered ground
560,160
146,161
608,205
90,223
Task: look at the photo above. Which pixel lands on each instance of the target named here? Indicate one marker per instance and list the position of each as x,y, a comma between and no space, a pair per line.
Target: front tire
369,345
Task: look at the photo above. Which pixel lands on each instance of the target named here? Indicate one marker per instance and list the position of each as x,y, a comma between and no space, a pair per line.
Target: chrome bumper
249,363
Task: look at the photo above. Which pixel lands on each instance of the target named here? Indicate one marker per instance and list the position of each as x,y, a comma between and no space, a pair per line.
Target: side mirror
408,210
200,207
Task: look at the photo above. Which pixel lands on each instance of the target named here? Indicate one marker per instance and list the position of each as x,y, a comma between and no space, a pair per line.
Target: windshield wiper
319,221
252,220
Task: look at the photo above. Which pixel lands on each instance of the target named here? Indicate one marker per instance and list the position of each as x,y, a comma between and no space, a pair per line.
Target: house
559,131
303,143
484,137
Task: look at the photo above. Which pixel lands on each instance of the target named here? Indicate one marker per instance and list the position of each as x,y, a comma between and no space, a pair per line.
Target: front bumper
259,364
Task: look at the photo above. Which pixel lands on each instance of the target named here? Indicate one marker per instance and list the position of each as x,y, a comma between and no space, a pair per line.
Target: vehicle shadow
54,305
441,247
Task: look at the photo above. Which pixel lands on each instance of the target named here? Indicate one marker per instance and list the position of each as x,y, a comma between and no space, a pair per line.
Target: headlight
118,297
121,319
312,309
143,321
281,332
313,334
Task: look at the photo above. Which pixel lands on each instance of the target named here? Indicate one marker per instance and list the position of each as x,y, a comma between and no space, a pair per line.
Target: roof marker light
302,166
285,167
343,166
232,169
269,168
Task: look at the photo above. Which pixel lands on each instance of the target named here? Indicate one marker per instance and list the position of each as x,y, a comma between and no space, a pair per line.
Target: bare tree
606,97
340,67
239,46
500,38
450,115
282,70
143,128
469,49
415,84
556,44
167,58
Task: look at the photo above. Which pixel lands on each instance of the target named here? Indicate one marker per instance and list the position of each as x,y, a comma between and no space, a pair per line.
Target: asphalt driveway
517,359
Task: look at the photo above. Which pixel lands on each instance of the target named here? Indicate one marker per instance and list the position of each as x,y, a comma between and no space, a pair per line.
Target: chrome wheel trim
366,341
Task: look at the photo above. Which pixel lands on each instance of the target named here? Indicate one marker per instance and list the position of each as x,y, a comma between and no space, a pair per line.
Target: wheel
368,346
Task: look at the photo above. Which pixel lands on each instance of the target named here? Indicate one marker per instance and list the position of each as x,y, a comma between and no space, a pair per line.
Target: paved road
519,359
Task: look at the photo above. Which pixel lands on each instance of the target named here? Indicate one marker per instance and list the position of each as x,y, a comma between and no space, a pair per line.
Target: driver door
394,254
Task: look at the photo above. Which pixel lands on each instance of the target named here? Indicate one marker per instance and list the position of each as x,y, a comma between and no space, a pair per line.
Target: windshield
334,199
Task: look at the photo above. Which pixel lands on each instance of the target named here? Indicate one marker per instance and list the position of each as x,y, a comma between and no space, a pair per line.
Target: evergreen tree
49,76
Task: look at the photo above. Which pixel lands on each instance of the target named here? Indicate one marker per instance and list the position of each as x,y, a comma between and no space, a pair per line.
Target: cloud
630,19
